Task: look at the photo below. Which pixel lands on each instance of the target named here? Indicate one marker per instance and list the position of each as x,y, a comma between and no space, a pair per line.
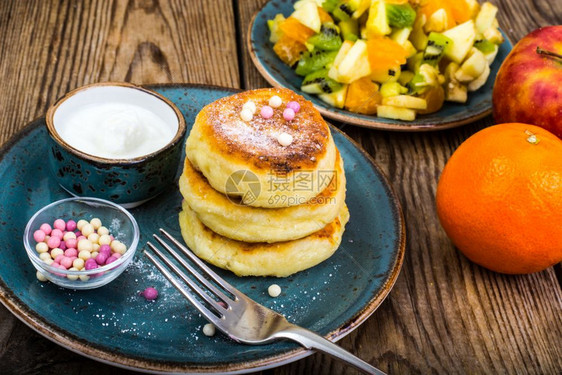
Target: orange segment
385,53
431,6
324,16
296,30
288,49
363,96
460,10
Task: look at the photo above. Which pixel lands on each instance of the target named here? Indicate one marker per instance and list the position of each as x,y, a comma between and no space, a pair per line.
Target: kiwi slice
318,82
485,46
343,11
400,15
327,39
437,44
349,29
313,61
330,5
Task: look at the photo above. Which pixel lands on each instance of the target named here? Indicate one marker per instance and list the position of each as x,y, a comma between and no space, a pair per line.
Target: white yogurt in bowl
115,141
115,122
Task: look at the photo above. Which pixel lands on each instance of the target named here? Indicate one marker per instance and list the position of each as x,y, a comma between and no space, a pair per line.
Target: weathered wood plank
445,314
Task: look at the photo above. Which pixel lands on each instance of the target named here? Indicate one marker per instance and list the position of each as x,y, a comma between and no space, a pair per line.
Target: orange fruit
363,96
434,97
324,16
499,198
292,28
288,49
432,6
460,10
385,53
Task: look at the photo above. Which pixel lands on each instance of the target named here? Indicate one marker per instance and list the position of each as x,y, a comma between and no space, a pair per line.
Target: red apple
528,86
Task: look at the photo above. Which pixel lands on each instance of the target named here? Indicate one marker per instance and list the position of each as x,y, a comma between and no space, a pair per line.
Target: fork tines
160,258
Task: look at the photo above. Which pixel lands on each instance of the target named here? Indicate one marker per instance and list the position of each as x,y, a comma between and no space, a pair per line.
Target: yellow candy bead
69,235
80,224
72,277
56,252
94,238
42,247
87,229
44,256
40,277
96,223
103,230
78,263
105,239
85,255
85,245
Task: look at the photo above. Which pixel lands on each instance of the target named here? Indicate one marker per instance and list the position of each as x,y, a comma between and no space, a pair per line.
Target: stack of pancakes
252,205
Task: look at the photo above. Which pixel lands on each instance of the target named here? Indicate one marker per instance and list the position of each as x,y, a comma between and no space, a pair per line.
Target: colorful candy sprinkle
150,293
274,290
250,105
246,115
288,114
91,247
266,112
285,139
295,106
275,101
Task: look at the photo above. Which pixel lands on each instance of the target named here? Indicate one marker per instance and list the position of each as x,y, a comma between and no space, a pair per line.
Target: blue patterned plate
114,324
479,103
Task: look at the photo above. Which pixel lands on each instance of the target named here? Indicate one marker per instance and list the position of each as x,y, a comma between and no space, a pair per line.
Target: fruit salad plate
279,74
114,324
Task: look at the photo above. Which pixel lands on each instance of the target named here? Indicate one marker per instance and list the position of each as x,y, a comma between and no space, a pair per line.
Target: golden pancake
252,224
245,158
279,259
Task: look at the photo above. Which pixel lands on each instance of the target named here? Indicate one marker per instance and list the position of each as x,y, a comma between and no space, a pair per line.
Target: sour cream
115,130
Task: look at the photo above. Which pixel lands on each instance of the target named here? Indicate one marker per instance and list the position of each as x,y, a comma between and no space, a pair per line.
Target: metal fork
238,316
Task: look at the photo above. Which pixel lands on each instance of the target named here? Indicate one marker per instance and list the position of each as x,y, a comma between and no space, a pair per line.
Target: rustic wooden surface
445,315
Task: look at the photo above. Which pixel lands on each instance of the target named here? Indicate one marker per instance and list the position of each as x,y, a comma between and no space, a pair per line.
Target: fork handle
311,340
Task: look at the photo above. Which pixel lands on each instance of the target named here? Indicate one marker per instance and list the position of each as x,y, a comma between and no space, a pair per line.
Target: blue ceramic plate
115,325
479,103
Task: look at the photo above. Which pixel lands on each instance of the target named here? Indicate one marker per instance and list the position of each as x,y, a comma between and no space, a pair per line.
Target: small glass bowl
121,224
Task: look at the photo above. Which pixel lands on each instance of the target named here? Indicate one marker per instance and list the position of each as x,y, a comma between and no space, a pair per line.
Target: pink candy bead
39,235
71,243
46,228
62,245
59,224
266,112
110,260
150,293
295,106
59,258
91,264
66,262
105,249
101,258
57,233
72,252
116,255
288,114
79,238
53,242
70,225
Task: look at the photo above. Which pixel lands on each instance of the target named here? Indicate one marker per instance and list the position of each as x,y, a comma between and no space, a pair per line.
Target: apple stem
541,51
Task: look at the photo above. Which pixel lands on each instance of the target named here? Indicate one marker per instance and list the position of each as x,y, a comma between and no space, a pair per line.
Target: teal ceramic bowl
478,105
115,141
119,221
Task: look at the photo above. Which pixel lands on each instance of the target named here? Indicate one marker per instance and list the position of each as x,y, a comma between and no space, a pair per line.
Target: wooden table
445,315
